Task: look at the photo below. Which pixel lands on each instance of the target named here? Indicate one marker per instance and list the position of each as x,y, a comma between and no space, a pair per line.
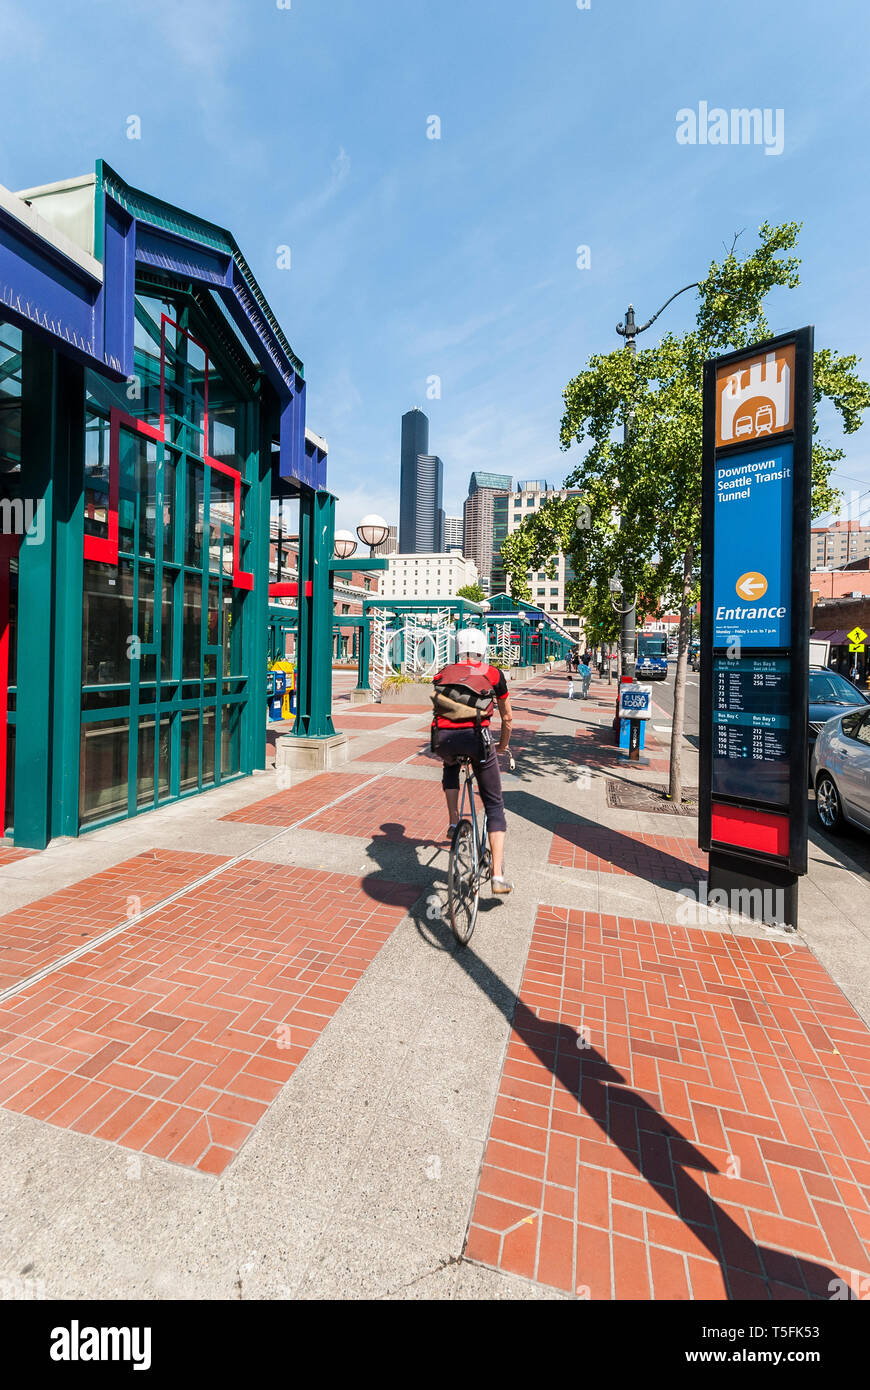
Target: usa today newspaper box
635,707
755,624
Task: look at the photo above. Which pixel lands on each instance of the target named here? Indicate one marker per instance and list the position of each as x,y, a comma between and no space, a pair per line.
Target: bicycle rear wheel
463,887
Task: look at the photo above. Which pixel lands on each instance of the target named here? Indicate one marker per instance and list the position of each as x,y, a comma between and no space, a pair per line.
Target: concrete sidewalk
241,1056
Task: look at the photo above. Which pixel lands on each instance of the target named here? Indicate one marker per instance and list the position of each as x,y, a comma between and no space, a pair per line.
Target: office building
436,575
500,505
547,593
483,488
390,545
453,533
421,514
837,544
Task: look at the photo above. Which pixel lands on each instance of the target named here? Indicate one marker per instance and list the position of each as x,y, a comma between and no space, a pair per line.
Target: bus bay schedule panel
751,728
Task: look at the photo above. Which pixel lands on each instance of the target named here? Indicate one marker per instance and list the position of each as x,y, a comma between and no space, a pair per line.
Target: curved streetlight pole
629,330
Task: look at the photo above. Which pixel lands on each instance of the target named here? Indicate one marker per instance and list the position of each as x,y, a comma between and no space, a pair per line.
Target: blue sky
456,258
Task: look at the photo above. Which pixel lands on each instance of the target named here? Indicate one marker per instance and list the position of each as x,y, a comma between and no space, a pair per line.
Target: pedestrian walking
586,675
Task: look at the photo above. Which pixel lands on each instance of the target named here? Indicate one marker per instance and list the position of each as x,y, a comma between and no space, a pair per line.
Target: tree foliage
473,592
652,482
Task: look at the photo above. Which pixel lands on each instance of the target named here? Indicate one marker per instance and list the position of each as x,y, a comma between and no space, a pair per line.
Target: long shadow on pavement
606,843
664,1154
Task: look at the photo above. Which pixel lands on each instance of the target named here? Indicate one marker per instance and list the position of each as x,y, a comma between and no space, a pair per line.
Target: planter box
418,693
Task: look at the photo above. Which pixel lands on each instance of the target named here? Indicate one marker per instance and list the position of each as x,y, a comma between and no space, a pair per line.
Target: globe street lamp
373,531
344,545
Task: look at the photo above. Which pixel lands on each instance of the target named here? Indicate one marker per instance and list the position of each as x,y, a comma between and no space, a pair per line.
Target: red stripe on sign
747,829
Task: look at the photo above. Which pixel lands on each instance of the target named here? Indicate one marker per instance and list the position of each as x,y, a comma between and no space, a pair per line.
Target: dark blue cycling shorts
458,744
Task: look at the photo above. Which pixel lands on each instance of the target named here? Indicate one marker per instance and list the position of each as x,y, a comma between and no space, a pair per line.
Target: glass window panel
163,757
145,770
196,393
222,435
208,748
213,637
103,394
231,722
189,750
169,471
194,519
152,308
104,771
11,347
233,605
191,632
128,481
145,628
96,475
221,517
106,698
166,627
146,468
107,623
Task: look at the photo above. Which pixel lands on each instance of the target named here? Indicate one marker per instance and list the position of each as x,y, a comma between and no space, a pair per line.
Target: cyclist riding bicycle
459,737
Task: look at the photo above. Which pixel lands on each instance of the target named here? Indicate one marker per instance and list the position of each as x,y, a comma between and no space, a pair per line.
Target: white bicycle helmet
470,641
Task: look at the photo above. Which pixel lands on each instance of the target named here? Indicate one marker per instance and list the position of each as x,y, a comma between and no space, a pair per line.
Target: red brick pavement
393,808
285,808
174,1037
43,931
10,855
401,710
658,858
399,749
682,1114
365,723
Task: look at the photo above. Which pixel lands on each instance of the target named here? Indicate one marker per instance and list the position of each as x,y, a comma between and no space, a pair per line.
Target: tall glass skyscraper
483,490
421,514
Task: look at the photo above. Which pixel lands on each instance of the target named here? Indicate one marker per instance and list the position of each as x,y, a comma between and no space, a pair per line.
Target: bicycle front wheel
463,887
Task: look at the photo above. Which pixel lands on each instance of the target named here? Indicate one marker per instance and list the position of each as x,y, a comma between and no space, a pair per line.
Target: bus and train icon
762,423
755,400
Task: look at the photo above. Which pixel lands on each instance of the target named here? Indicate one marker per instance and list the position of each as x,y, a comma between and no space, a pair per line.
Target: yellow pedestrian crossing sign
857,638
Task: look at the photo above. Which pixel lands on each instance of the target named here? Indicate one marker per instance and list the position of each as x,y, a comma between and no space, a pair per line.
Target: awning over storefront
837,637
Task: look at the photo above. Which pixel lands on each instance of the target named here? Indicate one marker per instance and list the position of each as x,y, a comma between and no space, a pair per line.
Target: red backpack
463,697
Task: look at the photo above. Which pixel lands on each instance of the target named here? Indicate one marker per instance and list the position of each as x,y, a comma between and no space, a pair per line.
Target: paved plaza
242,1057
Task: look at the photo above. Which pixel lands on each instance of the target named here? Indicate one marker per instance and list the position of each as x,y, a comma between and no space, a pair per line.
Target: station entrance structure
531,633
151,406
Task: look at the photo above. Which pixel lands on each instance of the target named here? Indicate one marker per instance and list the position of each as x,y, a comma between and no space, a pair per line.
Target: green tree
473,592
644,493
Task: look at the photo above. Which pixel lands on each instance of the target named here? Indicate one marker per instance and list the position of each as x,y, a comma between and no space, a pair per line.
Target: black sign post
755,624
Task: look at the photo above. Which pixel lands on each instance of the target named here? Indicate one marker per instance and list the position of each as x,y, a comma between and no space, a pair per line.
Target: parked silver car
840,769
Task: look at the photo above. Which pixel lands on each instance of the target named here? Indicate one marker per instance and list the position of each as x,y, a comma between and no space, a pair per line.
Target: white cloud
314,203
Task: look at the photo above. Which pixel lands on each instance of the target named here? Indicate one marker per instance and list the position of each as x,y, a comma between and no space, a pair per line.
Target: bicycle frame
479,838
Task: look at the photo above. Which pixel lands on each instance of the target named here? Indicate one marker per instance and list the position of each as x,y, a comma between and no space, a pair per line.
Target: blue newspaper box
635,702
276,687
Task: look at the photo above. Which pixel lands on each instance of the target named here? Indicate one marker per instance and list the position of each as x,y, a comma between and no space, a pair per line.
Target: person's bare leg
496,846
451,796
